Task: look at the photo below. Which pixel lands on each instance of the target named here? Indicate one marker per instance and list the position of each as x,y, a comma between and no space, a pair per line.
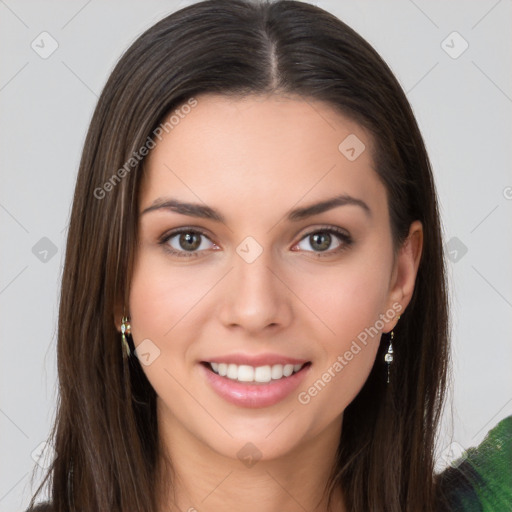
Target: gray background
463,106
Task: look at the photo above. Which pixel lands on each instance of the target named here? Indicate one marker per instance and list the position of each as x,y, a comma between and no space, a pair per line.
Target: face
254,282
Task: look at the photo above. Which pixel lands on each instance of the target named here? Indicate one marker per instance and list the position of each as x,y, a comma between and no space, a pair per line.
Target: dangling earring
388,358
125,331
389,355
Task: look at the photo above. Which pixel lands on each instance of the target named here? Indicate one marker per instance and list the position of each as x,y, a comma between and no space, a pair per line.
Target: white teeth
246,373
277,371
263,374
287,370
232,371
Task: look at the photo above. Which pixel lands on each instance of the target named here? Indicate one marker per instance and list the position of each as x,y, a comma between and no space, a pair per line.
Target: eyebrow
205,212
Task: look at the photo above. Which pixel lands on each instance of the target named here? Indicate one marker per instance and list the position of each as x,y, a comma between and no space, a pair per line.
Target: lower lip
257,394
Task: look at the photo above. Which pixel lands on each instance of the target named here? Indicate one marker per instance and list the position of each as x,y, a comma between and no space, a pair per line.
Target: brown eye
321,240
329,241
186,242
189,241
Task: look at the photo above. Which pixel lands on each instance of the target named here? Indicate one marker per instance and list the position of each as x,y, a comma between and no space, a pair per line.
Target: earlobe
406,269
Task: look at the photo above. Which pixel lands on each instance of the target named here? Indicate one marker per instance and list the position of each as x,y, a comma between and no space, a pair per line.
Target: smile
256,385
262,374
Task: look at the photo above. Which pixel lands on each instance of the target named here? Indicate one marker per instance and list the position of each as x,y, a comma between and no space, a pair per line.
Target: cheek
349,302
345,300
162,301
162,297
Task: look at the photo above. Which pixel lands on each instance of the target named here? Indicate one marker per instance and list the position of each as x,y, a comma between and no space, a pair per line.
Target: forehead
261,150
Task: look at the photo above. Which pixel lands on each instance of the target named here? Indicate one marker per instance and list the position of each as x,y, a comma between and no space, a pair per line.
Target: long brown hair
105,433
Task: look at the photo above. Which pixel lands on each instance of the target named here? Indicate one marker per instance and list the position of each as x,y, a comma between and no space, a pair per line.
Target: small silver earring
388,358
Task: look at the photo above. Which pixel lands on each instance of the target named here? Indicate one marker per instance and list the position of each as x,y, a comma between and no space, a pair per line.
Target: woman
253,311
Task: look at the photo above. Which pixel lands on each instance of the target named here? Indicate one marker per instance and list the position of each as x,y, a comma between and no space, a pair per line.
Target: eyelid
184,229
325,227
163,239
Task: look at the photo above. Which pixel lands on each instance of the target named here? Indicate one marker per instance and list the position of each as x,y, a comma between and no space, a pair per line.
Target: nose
256,297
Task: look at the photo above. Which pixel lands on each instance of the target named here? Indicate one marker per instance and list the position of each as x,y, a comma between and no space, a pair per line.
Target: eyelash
340,234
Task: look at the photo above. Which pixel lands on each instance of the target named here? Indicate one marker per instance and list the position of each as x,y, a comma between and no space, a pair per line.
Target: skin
253,159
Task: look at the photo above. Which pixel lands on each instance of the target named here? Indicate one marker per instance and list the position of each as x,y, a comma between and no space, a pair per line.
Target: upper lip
255,360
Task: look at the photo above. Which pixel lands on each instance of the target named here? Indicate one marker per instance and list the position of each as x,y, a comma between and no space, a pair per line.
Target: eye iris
187,241
317,239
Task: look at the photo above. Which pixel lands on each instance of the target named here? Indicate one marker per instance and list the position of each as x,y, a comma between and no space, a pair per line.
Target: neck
203,480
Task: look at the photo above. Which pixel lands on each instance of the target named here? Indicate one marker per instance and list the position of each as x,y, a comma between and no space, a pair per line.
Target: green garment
481,480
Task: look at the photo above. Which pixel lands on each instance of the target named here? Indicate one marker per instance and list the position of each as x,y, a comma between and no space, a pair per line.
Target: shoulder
481,479
456,489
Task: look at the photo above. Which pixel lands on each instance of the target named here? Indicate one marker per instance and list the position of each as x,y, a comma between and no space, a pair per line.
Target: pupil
327,240
187,241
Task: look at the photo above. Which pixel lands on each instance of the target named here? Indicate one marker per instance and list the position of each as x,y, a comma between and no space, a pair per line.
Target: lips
254,381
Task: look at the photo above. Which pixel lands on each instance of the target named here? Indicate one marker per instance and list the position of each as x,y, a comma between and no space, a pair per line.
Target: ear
404,273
